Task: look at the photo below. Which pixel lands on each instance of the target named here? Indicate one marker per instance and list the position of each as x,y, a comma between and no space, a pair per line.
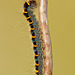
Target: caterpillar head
33,3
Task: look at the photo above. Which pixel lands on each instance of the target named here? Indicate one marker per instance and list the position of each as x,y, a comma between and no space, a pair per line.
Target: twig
46,37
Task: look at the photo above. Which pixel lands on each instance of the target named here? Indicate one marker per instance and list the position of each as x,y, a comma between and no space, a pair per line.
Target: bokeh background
16,52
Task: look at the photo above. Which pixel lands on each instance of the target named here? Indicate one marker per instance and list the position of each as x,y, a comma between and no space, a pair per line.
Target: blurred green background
16,52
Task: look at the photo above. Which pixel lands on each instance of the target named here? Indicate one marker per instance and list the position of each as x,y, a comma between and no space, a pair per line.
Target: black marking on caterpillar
36,38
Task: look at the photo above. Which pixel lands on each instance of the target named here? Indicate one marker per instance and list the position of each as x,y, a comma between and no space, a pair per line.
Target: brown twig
46,37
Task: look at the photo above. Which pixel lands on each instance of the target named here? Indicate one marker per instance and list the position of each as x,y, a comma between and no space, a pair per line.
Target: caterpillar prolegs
36,35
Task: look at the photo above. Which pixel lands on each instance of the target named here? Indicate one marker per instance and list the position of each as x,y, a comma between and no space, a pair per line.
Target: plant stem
46,37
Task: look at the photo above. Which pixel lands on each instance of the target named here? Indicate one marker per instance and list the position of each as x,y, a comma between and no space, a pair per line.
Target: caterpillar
35,32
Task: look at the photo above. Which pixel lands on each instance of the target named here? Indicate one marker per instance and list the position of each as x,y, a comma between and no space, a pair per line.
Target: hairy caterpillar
35,32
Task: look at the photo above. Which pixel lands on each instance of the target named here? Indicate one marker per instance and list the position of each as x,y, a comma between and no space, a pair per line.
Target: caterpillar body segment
31,22
25,12
28,17
27,4
34,45
36,64
33,36
32,29
36,55
36,71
